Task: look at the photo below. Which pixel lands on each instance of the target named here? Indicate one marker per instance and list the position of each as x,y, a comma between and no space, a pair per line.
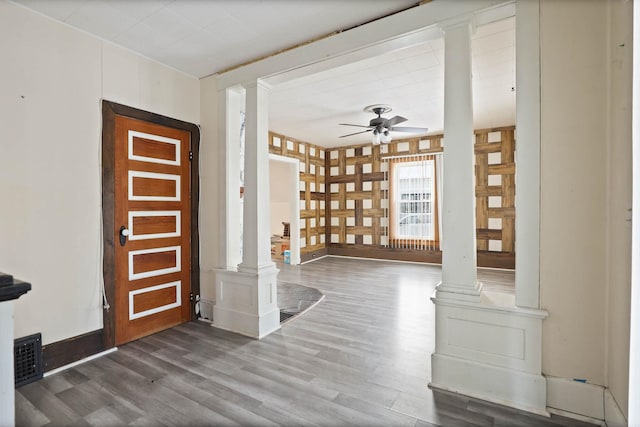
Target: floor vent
27,356
284,316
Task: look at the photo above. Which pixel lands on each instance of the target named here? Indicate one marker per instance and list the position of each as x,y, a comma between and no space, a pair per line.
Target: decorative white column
230,107
527,243
7,384
256,251
486,346
459,276
246,299
10,290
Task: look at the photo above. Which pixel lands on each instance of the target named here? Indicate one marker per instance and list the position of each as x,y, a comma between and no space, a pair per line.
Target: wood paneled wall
344,196
312,191
495,195
358,191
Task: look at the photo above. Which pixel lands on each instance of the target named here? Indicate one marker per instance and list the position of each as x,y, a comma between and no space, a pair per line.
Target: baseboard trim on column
247,303
250,325
515,389
490,350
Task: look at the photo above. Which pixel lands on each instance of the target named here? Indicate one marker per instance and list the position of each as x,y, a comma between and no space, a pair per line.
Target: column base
519,390
246,302
490,350
459,292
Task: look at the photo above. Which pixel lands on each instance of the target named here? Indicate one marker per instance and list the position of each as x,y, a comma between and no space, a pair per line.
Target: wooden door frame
109,112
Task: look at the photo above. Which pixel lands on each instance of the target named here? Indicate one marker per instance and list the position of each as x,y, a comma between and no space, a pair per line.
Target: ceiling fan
382,127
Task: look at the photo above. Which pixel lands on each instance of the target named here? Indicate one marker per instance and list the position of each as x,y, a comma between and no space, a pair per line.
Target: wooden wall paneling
502,213
359,230
355,158
376,199
482,202
307,195
414,146
502,169
489,190
373,212
327,198
487,147
342,195
382,252
319,214
302,151
358,200
508,190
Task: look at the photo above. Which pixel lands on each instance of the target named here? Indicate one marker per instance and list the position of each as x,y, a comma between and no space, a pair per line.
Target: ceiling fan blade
409,129
394,121
360,126
357,133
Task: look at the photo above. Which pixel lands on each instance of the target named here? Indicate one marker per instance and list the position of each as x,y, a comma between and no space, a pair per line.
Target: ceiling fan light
386,137
375,138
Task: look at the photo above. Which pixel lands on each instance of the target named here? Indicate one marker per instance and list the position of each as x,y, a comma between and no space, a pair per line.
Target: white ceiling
202,37
410,80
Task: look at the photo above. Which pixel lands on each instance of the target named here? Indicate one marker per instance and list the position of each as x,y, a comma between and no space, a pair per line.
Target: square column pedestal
247,302
490,350
10,289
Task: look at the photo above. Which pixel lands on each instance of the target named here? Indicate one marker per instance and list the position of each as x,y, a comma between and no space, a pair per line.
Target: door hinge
190,155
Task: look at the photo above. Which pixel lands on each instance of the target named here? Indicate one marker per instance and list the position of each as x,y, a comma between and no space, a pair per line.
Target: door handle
124,232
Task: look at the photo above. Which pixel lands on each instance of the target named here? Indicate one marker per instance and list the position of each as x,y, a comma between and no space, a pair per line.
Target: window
413,203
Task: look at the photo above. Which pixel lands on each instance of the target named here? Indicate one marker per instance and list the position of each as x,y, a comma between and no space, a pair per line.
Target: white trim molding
247,303
177,303
490,350
80,362
584,402
158,138
140,214
613,415
159,272
575,398
159,176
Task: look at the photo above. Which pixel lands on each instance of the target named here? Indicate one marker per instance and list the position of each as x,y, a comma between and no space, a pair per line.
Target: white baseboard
576,417
313,260
503,386
582,401
206,309
575,397
613,415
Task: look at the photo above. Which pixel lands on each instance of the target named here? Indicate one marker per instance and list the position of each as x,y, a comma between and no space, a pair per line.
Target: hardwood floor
360,357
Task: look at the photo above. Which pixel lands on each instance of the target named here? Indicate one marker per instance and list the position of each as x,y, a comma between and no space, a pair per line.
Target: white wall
619,202
585,184
210,190
279,194
53,78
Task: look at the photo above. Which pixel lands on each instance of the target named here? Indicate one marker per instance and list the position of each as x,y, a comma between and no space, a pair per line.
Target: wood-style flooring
359,358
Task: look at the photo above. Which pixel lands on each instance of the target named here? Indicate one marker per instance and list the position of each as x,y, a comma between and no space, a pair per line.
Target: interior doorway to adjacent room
284,193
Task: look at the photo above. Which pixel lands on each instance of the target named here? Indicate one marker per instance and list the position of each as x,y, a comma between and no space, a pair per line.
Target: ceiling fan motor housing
381,126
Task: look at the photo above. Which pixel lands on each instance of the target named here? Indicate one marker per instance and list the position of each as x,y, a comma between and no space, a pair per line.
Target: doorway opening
284,191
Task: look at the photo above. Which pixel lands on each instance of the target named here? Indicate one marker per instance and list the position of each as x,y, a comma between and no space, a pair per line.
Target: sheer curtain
414,186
